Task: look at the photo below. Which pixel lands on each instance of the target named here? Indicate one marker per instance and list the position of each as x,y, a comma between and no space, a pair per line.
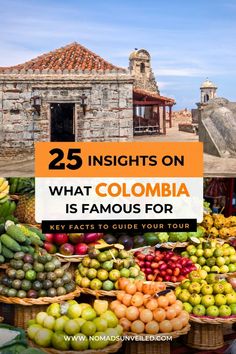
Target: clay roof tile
72,56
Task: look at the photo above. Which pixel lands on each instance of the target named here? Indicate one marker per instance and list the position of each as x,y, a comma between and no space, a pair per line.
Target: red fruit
174,258
154,265
163,266
159,279
67,249
81,249
92,237
60,239
163,273
76,238
169,271
173,279
49,237
148,271
148,264
157,258
150,277
181,277
141,264
167,278
50,248
149,257
141,256
176,272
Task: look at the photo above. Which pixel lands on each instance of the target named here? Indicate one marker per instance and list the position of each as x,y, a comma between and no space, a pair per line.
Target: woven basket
171,285
205,336
213,320
74,258
156,337
110,349
140,249
40,300
98,293
147,347
172,245
153,346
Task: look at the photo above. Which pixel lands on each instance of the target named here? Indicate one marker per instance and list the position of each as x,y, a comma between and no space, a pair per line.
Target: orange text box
150,159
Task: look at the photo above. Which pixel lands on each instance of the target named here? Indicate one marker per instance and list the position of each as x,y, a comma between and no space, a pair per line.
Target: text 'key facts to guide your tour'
128,186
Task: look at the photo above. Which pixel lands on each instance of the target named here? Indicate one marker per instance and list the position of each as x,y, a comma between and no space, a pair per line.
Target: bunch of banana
17,184
4,190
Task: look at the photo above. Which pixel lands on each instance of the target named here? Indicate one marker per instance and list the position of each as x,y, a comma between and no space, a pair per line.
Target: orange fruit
152,304
131,289
162,301
146,315
120,311
159,314
152,327
137,299
125,323
114,304
165,326
170,313
132,313
177,324
120,295
137,327
127,299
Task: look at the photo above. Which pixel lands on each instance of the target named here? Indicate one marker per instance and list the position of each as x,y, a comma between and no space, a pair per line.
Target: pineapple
25,210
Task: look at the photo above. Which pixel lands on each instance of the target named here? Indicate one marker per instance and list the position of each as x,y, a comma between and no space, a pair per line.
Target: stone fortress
217,122
72,94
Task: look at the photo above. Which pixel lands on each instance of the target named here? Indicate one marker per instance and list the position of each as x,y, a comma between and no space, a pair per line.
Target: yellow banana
2,179
4,186
4,193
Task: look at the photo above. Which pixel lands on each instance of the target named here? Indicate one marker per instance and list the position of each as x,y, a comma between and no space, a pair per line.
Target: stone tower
208,91
140,68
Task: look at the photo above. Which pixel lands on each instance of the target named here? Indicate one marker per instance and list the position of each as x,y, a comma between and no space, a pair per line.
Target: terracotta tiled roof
73,56
152,96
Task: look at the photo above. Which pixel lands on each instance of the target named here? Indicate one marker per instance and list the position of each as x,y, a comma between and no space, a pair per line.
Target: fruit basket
156,346
40,300
207,332
109,349
97,293
213,320
25,309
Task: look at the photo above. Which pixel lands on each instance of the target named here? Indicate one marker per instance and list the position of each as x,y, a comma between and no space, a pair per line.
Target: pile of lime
75,326
204,294
33,276
102,269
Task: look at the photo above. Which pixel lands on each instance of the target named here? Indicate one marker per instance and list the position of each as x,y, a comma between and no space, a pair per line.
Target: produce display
217,225
71,244
163,266
147,307
204,294
152,238
35,275
18,238
95,326
101,269
212,256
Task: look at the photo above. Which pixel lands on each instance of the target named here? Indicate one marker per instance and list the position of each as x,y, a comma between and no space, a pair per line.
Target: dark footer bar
114,226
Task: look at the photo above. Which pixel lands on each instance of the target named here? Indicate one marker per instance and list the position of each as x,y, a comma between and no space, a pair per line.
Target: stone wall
109,111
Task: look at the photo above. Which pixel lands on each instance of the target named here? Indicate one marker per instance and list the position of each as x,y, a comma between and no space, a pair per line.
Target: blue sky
188,40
